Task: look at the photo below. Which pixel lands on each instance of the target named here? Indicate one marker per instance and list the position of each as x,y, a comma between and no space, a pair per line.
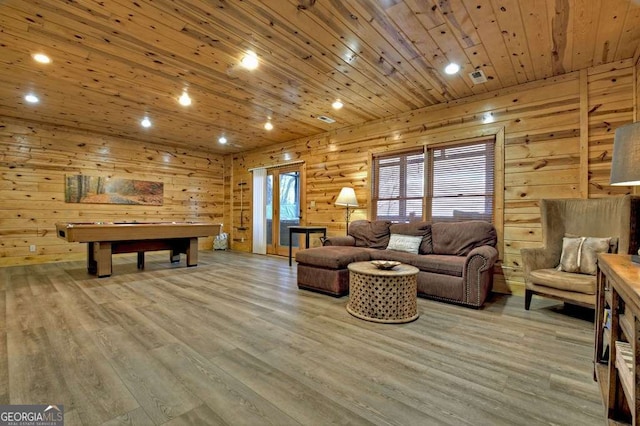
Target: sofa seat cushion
438,264
333,257
399,256
569,281
441,264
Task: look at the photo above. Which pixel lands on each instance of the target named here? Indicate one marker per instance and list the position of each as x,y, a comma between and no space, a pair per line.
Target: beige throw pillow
580,254
590,249
408,243
570,258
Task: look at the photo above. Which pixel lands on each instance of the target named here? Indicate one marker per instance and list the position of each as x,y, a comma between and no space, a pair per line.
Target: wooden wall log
36,157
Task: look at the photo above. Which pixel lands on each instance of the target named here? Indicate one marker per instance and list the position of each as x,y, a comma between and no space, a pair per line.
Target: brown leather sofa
455,259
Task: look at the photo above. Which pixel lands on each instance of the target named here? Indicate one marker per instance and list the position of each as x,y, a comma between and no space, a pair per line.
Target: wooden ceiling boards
116,61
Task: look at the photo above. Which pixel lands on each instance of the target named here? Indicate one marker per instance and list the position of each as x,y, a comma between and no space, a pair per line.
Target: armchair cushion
568,281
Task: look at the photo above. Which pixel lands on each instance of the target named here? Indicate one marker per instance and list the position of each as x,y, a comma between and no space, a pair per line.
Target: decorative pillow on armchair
579,254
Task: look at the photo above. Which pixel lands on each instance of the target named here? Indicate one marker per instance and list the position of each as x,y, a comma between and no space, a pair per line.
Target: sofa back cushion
459,238
418,229
370,234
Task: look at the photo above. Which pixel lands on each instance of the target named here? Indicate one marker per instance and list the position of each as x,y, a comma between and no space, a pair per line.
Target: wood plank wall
558,138
35,157
543,123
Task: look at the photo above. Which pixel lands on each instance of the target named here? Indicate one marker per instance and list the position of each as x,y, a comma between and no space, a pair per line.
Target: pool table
106,238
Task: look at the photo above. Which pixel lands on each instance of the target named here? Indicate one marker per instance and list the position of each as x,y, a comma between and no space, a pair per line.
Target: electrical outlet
32,248
312,204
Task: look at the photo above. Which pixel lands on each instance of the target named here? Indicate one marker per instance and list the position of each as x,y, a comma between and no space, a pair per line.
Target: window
398,186
452,182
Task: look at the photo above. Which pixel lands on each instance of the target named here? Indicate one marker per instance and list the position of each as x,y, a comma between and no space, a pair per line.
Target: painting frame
86,189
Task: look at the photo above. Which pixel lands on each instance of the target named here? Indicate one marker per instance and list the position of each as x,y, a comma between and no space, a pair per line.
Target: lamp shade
625,166
347,197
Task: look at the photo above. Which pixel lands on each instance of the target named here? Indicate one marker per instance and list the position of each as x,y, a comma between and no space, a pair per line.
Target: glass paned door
284,208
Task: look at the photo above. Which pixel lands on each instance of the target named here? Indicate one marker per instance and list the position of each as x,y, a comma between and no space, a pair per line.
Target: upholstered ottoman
324,269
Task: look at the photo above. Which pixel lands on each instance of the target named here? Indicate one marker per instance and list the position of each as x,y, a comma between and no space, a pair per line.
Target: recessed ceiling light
31,98
268,125
42,58
145,122
452,68
222,140
185,100
337,104
250,60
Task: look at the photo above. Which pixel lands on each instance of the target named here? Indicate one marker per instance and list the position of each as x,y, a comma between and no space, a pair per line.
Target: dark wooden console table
304,230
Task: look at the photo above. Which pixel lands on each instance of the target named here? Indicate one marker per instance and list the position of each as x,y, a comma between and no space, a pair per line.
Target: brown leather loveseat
455,259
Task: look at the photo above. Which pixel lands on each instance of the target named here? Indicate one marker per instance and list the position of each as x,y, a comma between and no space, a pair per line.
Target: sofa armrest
538,258
477,275
339,241
489,256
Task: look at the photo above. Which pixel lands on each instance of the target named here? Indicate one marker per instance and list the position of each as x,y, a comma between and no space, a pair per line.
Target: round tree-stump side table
379,295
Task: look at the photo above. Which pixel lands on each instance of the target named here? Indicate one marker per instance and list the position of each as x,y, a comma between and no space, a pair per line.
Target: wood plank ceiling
115,61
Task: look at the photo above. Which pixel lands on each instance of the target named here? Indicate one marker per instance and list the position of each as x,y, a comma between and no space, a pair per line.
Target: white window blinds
398,189
448,183
462,182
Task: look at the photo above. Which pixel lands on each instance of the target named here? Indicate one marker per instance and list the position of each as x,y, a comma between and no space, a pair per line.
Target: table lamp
347,198
625,166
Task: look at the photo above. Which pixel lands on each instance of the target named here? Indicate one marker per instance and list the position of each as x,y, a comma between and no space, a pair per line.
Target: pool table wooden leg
102,256
140,260
192,252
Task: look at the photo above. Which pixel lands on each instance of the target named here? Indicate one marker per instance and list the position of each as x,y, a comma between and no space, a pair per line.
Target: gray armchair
615,217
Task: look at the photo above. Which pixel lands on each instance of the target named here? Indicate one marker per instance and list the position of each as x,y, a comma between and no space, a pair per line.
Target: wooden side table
387,296
304,230
618,294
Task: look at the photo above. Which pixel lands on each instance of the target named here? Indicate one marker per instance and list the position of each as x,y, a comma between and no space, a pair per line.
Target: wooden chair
615,217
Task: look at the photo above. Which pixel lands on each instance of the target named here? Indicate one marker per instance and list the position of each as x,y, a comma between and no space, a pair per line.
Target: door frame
275,248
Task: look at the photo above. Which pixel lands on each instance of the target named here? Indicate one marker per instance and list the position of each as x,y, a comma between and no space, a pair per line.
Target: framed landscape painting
106,190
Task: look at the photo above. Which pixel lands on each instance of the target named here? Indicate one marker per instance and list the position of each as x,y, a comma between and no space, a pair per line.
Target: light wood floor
233,341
